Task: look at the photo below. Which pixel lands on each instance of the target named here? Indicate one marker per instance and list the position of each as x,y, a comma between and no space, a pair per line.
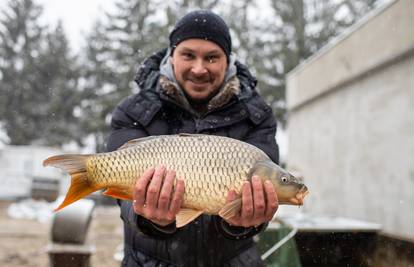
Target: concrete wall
351,122
20,164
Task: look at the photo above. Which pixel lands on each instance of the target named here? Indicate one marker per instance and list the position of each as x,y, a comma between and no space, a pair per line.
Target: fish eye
284,179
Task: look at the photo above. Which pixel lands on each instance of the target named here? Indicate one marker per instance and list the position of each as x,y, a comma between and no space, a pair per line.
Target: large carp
209,165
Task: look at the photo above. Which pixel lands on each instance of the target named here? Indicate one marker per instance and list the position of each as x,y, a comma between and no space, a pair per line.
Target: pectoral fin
185,216
123,193
231,209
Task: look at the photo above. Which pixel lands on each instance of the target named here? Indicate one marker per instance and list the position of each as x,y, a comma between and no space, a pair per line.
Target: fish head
289,189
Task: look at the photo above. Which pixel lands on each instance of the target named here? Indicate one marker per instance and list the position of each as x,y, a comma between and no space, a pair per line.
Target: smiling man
194,86
199,67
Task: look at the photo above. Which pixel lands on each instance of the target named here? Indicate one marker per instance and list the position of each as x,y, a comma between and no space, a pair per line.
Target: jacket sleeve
263,136
123,129
237,232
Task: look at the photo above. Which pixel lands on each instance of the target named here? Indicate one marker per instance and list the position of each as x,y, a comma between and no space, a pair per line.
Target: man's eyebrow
186,49
215,51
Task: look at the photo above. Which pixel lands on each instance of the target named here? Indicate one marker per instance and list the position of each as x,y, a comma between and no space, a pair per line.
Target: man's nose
199,68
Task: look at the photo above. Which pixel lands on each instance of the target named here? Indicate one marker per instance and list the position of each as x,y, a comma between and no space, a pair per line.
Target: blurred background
339,75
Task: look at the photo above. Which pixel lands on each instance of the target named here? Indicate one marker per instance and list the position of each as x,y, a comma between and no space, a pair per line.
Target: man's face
199,67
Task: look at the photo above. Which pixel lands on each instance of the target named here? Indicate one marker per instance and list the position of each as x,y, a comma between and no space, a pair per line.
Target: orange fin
75,165
123,193
231,209
185,216
79,188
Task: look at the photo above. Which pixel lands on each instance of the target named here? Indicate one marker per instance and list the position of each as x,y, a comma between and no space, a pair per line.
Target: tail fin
75,165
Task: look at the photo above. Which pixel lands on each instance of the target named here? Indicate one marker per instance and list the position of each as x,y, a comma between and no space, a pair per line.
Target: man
195,86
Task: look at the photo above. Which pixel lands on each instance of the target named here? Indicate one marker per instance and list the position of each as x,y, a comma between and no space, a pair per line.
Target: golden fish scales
209,168
209,165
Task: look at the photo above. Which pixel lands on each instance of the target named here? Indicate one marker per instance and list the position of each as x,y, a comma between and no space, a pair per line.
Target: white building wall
351,131
20,164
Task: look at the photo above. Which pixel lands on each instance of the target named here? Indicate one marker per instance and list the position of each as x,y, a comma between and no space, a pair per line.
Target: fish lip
300,196
304,189
293,201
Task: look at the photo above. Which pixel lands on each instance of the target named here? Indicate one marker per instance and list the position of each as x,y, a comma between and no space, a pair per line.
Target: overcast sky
77,16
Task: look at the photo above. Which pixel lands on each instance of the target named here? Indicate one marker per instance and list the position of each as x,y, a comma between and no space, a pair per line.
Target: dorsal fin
187,134
133,142
191,135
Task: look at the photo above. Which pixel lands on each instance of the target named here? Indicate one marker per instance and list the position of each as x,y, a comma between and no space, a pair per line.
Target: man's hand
259,203
154,197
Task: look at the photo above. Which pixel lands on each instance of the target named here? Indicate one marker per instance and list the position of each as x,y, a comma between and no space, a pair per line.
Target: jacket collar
173,93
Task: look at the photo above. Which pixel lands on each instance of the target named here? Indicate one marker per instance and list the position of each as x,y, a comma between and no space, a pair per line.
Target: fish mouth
300,196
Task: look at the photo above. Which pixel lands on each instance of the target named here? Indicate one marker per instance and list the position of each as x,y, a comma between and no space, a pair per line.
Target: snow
306,222
39,210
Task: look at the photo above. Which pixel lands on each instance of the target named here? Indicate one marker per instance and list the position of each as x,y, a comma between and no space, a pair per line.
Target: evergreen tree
37,78
62,96
116,47
21,38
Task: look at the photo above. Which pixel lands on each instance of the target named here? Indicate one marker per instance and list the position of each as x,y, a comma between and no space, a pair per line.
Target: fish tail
80,185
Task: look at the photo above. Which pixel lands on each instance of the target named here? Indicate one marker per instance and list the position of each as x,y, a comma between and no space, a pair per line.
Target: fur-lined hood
230,89
149,78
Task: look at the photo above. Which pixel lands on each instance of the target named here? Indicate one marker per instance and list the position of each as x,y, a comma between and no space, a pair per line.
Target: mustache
198,79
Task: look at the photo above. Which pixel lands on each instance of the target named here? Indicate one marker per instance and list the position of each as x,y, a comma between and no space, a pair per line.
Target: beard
200,101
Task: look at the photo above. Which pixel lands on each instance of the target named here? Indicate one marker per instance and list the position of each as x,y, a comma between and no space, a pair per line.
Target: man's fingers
272,202
177,197
140,189
247,202
231,196
154,188
258,197
166,192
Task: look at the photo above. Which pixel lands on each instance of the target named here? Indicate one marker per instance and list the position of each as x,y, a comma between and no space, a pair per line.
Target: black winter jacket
239,113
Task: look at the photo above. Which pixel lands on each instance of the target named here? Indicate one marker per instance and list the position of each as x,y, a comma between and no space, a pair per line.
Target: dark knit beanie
202,24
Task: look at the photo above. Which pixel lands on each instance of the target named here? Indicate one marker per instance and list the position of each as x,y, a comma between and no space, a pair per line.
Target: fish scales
207,179
209,165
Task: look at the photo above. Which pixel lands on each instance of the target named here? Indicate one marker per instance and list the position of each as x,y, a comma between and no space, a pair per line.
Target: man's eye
188,56
212,59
